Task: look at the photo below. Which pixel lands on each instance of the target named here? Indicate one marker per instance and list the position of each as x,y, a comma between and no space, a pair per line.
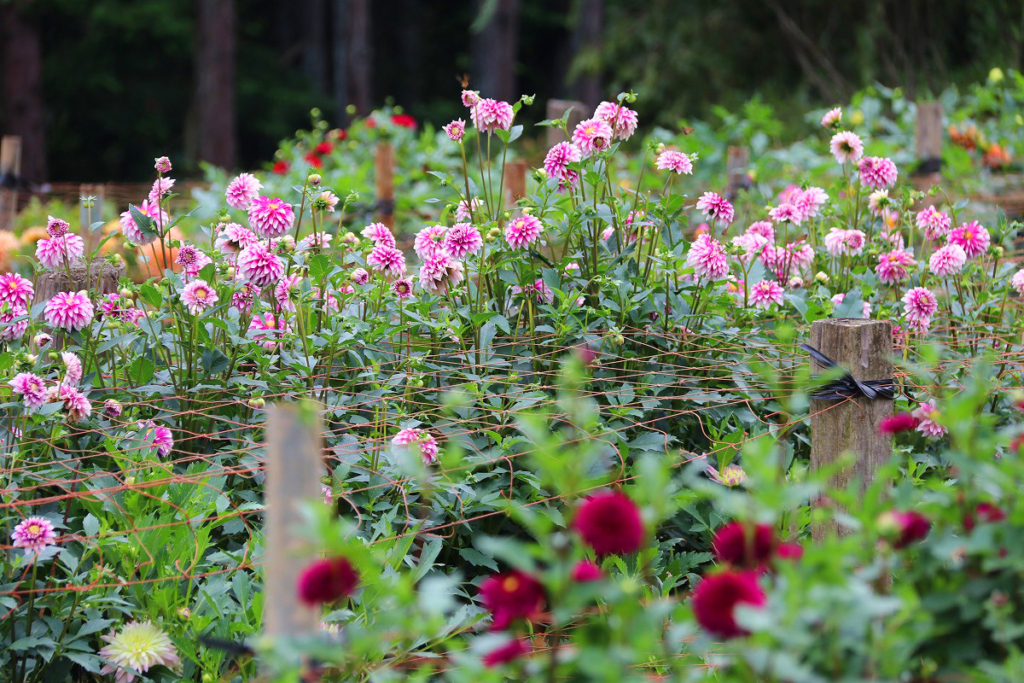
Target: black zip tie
848,386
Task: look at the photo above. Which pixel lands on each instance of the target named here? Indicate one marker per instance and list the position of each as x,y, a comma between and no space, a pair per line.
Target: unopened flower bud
821,276
314,179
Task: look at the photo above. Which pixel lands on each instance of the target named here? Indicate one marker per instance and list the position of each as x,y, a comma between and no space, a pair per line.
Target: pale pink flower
429,240
765,293
51,251
464,211
865,309
808,202
523,231
198,296
878,202
316,242
76,405
33,534
42,339
242,190
920,304
973,237
11,327
670,160
708,259
270,217
1017,281
846,147
623,120
359,276
439,272
764,229
490,115
455,130
949,260
786,213
132,231
268,330
379,234
191,259
31,388
892,266
162,164
56,227
463,239
15,290
715,208
877,172
592,135
557,161
69,310
72,367
926,413
751,245
841,241
402,287
934,223
387,260
233,238
136,649
470,98
607,233
832,118
259,265
572,269
419,438
326,201
161,187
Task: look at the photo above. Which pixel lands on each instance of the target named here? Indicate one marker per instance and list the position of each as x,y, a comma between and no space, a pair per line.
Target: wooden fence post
737,163
294,466
10,176
556,109
928,142
385,166
515,182
88,216
101,276
864,348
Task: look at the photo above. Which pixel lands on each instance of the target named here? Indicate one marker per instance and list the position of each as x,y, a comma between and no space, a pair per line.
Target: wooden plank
10,177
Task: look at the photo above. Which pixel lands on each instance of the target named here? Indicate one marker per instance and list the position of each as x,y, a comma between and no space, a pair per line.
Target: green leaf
143,222
214,361
150,294
319,266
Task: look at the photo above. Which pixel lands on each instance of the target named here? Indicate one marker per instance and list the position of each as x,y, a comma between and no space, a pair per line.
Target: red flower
900,422
1017,443
789,551
313,160
324,148
715,598
281,167
1020,404
326,581
985,513
742,546
371,123
585,572
510,596
906,527
610,524
509,652
340,133
403,120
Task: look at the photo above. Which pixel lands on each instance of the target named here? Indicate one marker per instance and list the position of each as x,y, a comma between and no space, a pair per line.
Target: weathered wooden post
10,175
928,138
100,276
556,109
293,470
864,348
737,163
515,182
384,162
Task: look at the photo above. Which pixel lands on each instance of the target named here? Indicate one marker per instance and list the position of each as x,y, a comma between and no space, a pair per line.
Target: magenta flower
765,293
233,238
402,287
55,227
455,130
132,231
920,304
892,266
490,115
900,422
69,310
156,436
162,164
270,217
76,405
622,120
540,290
846,147
13,322
934,223
380,234
31,388
112,408
671,160
51,251
267,330
556,163
33,534
198,296
708,259
259,265
973,237
191,260
926,413
245,296
763,229
715,208
426,443
523,231
877,173
15,290
592,135
949,260
832,118
439,272
243,189
359,276
470,98
429,240
464,211
286,292
387,260
463,239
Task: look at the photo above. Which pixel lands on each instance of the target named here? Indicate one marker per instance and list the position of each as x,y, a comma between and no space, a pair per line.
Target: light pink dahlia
470,98
244,298
839,242
316,242
716,208
750,246
72,367
429,240
708,259
33,534
1017,281
379,234
15,290
949,260
31,388
259,265
198,296
926,413
326,202
161,188
490,115
832,118
419,438
76,405
892,266
523,231
973,237
464,211
557,161
242,190
846,147
69,310
934,223
455,130
136,649
762,228
592,135
765,293
132,231
268,330
387,260
439,272
671,160
112,408
233,238
621,119
359,276
463,239
877,173
787,213
51,251
270,217
13,321
56,227
920,304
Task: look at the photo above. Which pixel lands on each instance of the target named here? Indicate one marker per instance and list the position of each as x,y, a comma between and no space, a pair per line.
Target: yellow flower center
34,528
510,584
273,206
967,234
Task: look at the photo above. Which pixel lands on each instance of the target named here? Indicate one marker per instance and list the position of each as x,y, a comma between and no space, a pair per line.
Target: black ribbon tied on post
848,386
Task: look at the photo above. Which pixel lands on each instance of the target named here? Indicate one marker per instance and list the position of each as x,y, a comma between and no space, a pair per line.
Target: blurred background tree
97,88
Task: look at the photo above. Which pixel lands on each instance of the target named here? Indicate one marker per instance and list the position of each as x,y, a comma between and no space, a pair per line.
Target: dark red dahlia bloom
789,551
585,572
905,527
327,580
510,596
324,148
742,545
986,513
509,652
715,599
610,523
313,160
281,167
403,120
900,422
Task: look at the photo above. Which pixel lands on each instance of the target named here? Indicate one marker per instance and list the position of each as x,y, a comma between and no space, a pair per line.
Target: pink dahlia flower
470,98
287,292
259,265
808,202
402,287
877,173
51,251
13,322
379,234
490,115
892,266
540,291
198,296
832,118
31,388
464,211
132,231
455,130
245,296
76,405
592,135
359,276
440,272
162,164
622,120
429,240
926,413
156,436
1017,281
670,160
270,217
69,310
879,202
326,201
523,231
949,260
762,228
112,408
751,245
422,439
387,260
840,242
191,259
243,189
463,239
56,227
973,237
920,304
72,367
708,259
557,161
233,238
161,188
765,293
136,649
846,147
934,223
715,208
15,290
33,534
786,213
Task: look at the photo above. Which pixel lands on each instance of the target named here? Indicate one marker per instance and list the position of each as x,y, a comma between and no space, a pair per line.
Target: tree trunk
495,48
314,54
215,82
587,36
23,86
360,56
